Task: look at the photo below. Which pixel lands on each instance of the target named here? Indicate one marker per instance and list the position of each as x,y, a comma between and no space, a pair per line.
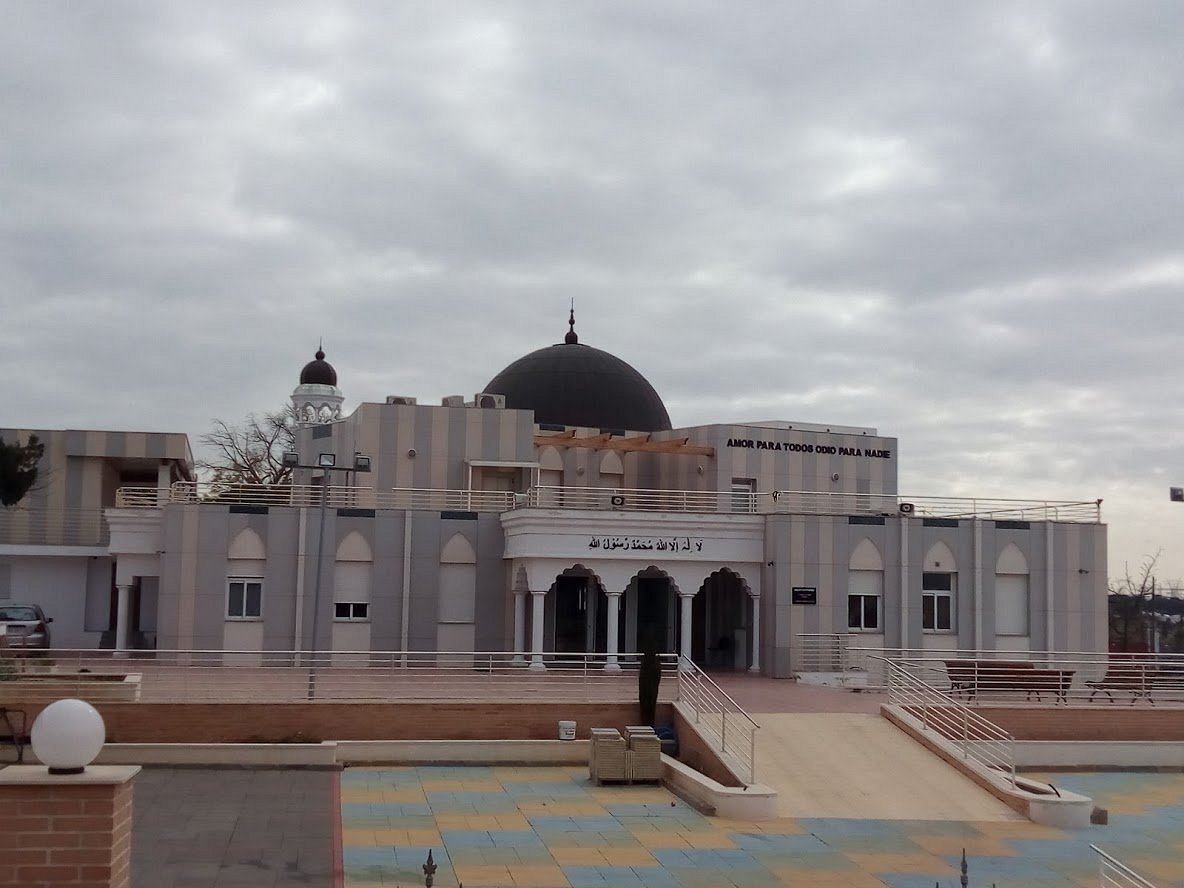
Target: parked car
26,624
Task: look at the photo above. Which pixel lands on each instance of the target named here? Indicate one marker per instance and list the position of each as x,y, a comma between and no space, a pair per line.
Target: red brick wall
694,752
73,835
1116,723
271,722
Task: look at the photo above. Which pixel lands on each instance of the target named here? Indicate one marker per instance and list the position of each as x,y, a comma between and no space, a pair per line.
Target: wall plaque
804,594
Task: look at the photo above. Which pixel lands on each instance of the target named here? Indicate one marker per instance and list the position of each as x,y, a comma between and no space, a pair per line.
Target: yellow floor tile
662,839
887,862
975,846
577,856
709,840
355,836
536,876
846,879
485,875
628,857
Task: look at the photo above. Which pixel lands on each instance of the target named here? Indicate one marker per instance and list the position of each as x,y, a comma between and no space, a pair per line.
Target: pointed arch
458,550
610,464
550,460
1011,561
247,546
354,548
866,556
940,559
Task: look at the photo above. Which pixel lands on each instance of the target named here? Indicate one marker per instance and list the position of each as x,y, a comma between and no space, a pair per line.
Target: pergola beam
634,444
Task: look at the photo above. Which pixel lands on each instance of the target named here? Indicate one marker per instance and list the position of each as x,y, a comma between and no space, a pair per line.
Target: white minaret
317,399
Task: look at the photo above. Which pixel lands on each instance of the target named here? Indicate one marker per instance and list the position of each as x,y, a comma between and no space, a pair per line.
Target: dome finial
571,338
320,348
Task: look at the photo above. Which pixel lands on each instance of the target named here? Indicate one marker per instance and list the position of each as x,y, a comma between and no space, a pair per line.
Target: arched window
865,589
245,560
1011,592
939,590
351,579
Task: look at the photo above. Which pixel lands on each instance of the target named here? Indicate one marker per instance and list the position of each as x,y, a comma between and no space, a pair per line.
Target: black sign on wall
804,594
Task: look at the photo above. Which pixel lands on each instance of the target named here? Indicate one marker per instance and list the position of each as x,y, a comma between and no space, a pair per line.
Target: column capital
538,591
614,594
682,594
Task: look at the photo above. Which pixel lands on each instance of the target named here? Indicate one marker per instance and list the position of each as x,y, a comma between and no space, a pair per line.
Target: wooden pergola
623,443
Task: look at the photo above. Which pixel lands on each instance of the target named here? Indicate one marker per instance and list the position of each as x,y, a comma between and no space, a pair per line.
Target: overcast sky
961,223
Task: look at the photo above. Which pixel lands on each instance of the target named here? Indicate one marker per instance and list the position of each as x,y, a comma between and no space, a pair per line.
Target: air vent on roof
453,401
400,399
486,399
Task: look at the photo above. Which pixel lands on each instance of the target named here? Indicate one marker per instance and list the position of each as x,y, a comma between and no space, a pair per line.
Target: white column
756,633
122,617
536,628
519,626
613,619
684,605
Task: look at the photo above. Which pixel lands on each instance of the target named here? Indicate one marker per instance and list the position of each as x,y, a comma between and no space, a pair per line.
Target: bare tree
1131,601
18,469
249,452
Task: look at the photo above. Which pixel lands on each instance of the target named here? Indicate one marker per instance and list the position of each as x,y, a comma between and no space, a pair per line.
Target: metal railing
721,720
619,499
1113,873
1013,678
979,740
173,676
53,527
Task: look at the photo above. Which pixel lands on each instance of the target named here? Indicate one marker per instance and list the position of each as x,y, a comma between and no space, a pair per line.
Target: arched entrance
651,609
578,611
721,622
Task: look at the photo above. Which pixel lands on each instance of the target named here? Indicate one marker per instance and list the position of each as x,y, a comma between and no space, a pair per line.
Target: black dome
577,385
318,372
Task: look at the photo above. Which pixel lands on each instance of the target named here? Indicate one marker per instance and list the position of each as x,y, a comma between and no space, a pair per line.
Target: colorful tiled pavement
544,827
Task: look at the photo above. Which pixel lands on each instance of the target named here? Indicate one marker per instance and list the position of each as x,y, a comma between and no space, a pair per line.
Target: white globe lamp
67,736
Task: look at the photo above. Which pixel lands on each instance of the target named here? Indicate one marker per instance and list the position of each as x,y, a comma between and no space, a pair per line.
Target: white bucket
567,730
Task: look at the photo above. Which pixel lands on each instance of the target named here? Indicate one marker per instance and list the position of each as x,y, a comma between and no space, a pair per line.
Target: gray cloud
955,222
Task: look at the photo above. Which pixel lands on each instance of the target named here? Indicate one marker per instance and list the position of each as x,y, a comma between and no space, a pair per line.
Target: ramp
859,766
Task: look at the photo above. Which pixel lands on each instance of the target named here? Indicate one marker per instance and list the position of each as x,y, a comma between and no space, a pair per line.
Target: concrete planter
94,687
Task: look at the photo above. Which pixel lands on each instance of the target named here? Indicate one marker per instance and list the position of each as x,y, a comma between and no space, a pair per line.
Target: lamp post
326,463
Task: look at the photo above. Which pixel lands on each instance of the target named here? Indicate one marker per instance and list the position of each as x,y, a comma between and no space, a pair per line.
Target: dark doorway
571,614
653,614
721,617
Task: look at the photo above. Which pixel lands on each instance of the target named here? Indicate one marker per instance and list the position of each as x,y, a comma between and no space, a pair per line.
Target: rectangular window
355,611
937,602
1011,604
743,495
864,594
244,598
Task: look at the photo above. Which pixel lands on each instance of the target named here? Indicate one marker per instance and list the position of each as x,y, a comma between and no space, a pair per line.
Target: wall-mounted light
411,453
327,460
290,459
361,463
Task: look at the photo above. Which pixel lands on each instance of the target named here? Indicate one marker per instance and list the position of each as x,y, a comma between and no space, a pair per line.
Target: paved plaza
543,827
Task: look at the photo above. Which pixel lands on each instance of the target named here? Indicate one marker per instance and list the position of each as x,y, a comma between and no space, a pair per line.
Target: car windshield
17,614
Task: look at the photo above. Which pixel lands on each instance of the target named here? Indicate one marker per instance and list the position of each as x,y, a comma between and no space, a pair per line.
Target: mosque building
555,512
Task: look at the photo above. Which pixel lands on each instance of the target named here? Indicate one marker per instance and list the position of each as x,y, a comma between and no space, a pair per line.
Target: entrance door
653,614
571,614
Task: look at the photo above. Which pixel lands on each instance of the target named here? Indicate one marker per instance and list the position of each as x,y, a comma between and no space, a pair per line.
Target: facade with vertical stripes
480,528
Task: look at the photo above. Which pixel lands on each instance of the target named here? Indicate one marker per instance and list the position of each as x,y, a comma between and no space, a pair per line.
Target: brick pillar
58,830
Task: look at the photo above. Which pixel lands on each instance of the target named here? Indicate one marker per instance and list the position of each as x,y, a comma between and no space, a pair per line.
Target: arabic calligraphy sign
655,544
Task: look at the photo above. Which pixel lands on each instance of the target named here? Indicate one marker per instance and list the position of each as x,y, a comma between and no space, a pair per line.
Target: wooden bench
17,724
1135,677
972,677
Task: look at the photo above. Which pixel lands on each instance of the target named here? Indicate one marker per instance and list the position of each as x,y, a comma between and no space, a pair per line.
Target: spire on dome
571,338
